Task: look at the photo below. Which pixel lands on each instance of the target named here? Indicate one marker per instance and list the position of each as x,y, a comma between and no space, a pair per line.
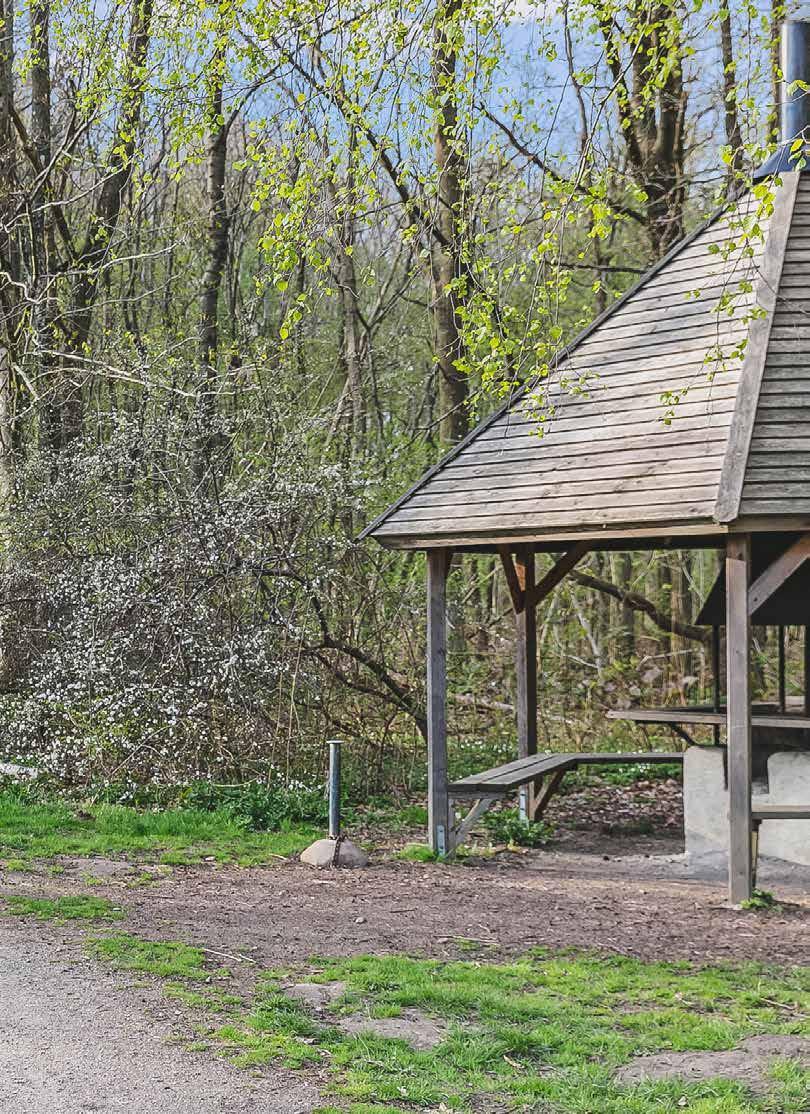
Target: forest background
263,261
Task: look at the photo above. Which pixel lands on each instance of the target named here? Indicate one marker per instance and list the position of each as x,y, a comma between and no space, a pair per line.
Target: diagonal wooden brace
778,572
517,590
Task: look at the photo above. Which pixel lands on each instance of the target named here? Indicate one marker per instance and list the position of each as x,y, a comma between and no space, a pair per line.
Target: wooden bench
771,812
501,781
780,812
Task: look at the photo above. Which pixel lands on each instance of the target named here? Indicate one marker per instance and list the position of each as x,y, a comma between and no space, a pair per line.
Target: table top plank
699,716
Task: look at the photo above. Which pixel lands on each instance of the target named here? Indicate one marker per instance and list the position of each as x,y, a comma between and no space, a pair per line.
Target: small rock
420,1032
316,995
359,920
322,854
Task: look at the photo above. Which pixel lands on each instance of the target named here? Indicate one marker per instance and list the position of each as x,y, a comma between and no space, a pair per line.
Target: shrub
508,826
258,805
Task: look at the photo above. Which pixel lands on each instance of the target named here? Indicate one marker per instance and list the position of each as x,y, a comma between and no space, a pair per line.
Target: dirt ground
631,895
68,1026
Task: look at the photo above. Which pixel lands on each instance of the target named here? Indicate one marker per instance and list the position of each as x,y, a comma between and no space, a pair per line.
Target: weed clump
508,826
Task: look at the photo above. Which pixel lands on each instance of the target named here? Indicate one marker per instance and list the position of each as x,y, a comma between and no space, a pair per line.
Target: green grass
165,959
545,1033
417,853
78,908
179,836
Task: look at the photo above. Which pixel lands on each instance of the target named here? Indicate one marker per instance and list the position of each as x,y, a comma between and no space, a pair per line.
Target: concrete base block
705,807
789,782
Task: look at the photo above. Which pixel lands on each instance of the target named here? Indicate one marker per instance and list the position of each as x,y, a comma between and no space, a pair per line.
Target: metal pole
334,788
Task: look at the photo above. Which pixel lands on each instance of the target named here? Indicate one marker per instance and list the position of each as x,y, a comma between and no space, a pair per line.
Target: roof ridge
564,354
738,446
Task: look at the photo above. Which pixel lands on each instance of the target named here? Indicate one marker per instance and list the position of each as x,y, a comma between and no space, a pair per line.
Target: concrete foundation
705,802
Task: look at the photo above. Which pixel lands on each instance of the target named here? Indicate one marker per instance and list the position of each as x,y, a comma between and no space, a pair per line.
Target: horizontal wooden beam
778,572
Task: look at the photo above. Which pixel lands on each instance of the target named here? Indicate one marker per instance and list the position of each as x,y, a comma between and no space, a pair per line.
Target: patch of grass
792,1087
361,1108
165,959
33,830
15,865
203,998
417,853
549,1032
760,899
545,1033
79,908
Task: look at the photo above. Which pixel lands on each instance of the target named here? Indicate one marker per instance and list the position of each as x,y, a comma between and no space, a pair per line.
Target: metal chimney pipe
793,106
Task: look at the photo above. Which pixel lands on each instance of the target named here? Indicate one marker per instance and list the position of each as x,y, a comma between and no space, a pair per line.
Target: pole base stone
329,852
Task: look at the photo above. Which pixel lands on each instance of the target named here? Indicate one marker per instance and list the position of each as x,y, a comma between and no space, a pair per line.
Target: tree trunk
731,115
216,256
628,615
447,268
349,302
8,269
42,246
103,220
651,115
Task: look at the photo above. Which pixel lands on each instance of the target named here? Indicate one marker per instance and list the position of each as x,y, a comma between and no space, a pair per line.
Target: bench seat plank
503,779
781,812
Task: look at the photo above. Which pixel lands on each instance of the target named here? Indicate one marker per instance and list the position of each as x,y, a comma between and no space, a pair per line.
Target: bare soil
631,895
749,1064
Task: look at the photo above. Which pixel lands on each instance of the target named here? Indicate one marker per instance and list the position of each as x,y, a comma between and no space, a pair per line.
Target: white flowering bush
154,620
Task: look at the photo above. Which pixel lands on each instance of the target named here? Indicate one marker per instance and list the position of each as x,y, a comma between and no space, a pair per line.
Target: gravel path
74,1038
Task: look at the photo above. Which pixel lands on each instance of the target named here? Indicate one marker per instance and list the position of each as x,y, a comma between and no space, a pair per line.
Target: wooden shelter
721,323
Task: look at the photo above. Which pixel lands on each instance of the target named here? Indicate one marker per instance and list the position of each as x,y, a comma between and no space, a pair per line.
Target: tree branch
640,603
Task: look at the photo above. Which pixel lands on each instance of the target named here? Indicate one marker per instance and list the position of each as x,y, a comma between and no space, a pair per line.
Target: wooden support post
526,669
716,668
782,678
738,731
716,681
807,671
438,803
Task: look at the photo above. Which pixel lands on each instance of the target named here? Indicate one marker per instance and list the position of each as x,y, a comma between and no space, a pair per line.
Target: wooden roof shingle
613,460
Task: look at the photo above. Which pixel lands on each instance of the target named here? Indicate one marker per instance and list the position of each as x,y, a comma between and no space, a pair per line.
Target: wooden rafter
512,578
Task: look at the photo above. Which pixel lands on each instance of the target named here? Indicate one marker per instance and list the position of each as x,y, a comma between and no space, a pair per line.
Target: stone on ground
322,854
420,1032
317,996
